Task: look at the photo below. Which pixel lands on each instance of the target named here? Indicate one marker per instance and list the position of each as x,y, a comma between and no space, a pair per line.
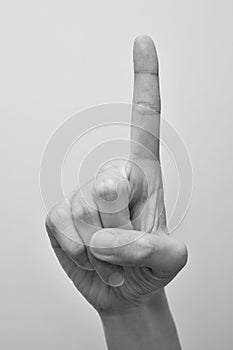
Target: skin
110,236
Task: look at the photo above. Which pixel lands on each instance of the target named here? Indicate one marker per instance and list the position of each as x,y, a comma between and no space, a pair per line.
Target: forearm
148,327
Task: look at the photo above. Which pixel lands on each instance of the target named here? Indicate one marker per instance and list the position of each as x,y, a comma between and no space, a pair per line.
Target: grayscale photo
116,175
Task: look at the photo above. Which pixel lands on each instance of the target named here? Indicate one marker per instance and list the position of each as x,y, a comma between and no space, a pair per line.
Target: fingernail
103,242
84,265
107,191
109,195
88,266
116,279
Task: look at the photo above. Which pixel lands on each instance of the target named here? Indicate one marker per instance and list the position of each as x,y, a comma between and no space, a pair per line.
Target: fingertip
145,55
175,253
102,241
182,253
142,40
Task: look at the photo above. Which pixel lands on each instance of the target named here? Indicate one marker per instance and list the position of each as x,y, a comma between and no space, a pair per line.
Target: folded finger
87,222
60,222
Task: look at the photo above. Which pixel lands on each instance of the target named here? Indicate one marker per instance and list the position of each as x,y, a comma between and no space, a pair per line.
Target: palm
139,284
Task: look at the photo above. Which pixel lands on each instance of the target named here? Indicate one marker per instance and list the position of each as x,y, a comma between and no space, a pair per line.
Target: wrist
147,326
151,302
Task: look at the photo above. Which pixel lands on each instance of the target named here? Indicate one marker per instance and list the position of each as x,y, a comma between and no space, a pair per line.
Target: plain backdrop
59,57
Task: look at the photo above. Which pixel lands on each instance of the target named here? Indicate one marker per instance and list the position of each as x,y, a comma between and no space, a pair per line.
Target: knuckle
182,253
74,249
78,211
147,107
82,211
58,215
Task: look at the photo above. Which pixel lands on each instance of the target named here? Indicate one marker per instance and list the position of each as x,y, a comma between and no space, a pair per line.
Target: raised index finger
146,100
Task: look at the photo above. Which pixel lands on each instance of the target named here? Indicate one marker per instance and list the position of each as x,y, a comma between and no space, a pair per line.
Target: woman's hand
110,236
114,268
112,233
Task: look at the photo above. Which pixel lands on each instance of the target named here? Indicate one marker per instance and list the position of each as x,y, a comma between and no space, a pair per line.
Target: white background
58,57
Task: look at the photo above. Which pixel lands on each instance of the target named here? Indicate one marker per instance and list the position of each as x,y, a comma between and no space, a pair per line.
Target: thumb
158,251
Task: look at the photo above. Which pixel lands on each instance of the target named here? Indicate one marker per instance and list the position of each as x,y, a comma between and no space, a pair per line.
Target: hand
110,236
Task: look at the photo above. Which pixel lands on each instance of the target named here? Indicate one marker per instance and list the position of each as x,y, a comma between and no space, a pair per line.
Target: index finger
146,100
